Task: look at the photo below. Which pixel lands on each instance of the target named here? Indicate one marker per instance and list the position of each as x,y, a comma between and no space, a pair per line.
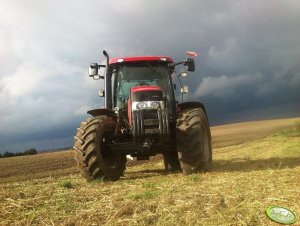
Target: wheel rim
111,160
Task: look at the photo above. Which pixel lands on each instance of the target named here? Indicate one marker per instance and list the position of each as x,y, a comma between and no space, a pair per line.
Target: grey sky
249,59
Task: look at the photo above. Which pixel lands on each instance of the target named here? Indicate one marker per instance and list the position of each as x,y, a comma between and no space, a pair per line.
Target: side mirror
184,89
190,63
93,69
183,74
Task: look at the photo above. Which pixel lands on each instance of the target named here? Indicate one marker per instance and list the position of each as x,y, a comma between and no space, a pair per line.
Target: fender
102,111
192,105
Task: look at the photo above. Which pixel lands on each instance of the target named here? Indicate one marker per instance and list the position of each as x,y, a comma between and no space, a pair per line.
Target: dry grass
246,179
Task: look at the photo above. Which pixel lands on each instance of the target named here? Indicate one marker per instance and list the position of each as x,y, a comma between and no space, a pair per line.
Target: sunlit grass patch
296,127
67,184
142,195
291,132
194,177
150,185
97,181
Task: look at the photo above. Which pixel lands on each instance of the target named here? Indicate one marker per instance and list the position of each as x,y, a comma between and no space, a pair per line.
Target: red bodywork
138,89
140,58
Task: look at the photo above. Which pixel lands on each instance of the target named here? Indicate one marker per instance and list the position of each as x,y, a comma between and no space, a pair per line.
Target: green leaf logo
281,215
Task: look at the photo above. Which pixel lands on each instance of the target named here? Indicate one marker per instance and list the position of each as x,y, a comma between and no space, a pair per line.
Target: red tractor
141,118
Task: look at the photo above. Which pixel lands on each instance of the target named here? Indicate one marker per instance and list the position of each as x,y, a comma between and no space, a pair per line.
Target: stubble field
256,165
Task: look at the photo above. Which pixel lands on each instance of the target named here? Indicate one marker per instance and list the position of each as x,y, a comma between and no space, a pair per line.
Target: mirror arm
98,66
181,62
175,64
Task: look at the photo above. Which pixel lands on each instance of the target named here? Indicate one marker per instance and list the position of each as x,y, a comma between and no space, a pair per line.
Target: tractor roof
140,58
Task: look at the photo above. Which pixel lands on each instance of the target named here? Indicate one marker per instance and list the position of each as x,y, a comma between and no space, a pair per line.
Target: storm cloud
248,68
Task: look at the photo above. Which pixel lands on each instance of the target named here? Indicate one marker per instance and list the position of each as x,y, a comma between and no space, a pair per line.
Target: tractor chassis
137,149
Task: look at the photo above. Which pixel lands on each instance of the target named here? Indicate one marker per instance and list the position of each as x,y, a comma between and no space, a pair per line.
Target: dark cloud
248,63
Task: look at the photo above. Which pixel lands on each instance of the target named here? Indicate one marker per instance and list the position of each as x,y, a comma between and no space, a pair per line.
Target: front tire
91,155
193,140
171,161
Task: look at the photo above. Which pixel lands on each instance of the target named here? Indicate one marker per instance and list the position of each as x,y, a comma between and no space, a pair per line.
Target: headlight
155,105
141,105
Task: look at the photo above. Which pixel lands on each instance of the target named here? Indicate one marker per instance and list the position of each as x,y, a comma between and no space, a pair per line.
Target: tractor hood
146,93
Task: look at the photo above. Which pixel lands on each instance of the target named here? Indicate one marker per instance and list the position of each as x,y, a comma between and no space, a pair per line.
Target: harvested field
20,168
244,132
246,179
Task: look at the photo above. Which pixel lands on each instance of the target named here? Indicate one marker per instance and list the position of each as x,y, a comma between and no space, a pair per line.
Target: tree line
31,151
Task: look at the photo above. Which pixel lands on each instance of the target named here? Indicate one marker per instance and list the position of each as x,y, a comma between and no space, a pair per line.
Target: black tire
193,140
90,153
171,161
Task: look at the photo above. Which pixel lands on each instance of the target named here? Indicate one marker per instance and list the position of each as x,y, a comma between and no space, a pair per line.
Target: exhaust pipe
108,91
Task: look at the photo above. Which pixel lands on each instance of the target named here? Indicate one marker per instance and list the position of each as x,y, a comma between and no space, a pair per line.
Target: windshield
139,74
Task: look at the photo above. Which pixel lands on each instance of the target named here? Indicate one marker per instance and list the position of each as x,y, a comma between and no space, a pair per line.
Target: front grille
150,122
150,114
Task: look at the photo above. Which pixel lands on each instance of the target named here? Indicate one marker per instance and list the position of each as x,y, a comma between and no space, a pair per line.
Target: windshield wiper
153,69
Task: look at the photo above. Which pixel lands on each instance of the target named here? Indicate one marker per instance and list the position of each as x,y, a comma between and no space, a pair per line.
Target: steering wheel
143,84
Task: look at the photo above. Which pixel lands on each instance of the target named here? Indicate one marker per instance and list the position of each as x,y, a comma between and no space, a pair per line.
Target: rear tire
90,153
193,141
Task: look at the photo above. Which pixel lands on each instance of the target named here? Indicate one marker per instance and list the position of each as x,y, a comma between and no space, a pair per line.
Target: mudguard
101,111
194,104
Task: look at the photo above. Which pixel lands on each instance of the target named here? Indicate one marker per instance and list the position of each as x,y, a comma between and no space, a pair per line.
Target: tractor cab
140,71
143,95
